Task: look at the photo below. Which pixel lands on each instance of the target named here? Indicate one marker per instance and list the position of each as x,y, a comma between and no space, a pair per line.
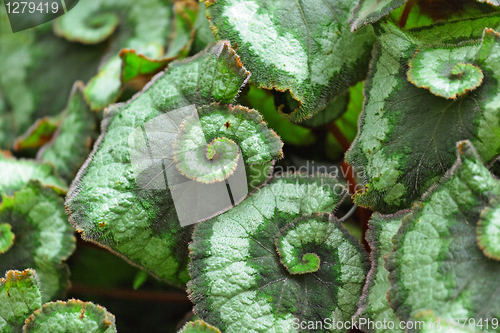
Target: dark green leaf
305,47
238,274
111,204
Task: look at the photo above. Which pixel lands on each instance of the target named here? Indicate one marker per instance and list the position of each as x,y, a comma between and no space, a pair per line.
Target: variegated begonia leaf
18,173
198,326
19,298
374,306
143,26
407,133
72,316
488,230
38,70
437,269
333,110
242,259
203,35
370,11
305,47
38,134
71,143
43,236
131,195
347,123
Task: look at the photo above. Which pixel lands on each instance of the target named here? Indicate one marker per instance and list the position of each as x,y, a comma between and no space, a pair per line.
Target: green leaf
370,11
237,273
71,144
144,27
38,70
19,297
408,134
436,267
72,316
488,230
198,326
22,171
38,134
306,48
43,236
135,65
111,205
374,306
6,237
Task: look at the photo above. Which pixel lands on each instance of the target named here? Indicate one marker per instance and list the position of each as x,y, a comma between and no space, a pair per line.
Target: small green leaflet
305,47
437,269
22,171
72,316
237,273
43,236
374,305
112,205
71,144
408,134
198,326
370,11
19,297
145,27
